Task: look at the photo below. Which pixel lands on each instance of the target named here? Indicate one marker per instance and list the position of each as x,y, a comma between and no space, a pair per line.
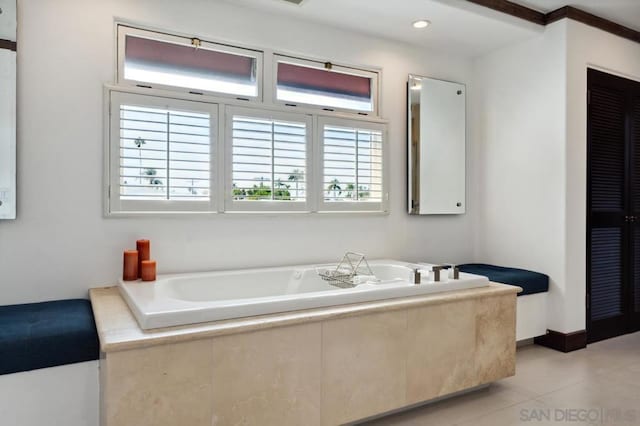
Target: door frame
630,320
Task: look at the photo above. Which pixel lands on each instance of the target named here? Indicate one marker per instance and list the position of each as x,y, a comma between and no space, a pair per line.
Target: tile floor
599,385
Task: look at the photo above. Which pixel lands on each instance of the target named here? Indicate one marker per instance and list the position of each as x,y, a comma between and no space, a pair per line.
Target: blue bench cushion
39,335
531,282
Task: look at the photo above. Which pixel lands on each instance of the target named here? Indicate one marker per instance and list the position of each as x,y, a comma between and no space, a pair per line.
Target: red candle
130,269
144,253
148,272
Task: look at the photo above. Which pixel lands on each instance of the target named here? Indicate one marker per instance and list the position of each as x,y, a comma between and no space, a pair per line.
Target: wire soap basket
345,275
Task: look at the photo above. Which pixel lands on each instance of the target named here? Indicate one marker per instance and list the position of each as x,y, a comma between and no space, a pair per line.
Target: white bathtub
182,299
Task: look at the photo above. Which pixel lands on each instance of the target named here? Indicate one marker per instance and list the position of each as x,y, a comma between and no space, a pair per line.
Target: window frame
372,74
114,204
231,205
265,105
123,30
351,206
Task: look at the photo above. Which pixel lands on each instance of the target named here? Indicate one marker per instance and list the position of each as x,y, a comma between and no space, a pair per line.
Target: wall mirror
7,109
436,146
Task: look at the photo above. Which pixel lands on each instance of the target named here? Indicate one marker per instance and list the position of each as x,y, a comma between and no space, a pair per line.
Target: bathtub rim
154,308
118,329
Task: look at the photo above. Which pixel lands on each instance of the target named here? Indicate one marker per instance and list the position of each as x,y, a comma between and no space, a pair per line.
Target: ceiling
457,26
625,12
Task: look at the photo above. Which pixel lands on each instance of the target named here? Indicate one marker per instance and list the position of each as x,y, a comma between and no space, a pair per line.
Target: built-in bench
532,308
531,282
47,334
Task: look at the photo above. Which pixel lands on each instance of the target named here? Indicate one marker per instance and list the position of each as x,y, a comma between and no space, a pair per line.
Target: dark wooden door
613,221
634,279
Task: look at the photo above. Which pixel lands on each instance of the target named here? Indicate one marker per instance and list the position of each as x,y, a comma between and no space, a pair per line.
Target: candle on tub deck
130,268
148,272
144,253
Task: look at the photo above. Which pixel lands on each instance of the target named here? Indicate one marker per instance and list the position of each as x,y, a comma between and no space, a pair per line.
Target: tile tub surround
323,366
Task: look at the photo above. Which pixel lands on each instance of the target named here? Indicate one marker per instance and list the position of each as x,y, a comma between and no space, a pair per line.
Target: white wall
586,47
60,245
531,152
67,395
520,154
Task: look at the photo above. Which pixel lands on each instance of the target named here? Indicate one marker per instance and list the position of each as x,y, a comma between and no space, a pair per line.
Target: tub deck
118,329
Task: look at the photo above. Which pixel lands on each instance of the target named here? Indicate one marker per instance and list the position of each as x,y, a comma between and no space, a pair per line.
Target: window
148,58
161,154
267,160
295,151
325,85
352,165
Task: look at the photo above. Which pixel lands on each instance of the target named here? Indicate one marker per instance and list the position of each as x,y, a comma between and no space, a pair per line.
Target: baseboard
524,342
563,342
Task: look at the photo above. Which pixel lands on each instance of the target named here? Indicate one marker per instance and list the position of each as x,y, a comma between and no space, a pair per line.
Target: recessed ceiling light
422,23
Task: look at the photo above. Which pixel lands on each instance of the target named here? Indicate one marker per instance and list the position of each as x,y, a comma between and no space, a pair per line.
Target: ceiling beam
568,12
513,9
594,21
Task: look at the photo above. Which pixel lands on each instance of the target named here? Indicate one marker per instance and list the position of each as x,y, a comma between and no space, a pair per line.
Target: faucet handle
416,275
456,273
436,272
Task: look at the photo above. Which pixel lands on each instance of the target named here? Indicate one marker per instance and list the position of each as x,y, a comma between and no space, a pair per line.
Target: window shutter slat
352,164
268,160
164,154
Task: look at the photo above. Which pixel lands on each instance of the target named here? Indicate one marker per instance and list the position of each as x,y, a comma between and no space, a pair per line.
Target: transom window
158,60
296,151
326,85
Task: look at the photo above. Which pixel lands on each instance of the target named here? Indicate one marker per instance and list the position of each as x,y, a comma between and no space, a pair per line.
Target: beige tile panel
164,385
269,377
363,366
495,338
441,350
340,369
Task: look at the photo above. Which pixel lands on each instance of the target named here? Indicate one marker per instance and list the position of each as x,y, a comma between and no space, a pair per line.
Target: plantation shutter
352,164
268,161
162,154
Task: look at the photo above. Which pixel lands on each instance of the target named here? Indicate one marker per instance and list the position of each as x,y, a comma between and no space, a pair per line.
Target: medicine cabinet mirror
436,146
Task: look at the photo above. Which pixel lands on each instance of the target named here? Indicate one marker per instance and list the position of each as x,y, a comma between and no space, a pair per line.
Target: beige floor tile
542,370
458,409
528,412
606,361
546,374
628,341
629,373
599,399
531,353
